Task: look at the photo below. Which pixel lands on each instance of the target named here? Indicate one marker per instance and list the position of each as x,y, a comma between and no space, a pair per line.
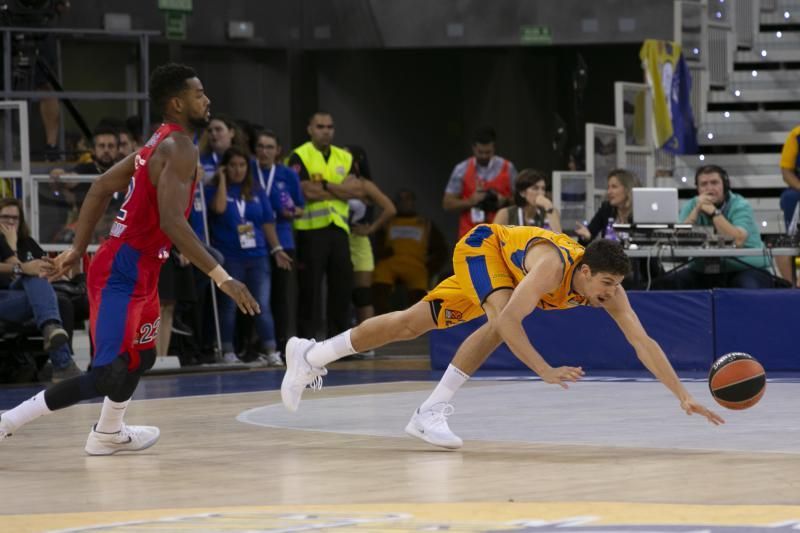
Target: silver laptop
655,205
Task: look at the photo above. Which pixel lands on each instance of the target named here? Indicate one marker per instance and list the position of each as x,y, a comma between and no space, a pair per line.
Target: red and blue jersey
122,281
138,223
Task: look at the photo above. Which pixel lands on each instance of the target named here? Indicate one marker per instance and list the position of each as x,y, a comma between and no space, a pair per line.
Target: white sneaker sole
412,430
106,451
291,370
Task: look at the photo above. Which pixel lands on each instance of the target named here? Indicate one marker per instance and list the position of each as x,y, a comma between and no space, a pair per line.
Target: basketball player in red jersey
123,276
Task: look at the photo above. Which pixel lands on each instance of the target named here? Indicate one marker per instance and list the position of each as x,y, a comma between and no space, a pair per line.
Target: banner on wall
670,83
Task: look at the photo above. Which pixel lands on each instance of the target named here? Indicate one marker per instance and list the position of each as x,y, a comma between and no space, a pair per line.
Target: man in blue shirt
731,216
282,186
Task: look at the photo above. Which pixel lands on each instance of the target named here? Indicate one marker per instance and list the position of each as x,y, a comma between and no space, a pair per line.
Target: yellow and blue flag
671,84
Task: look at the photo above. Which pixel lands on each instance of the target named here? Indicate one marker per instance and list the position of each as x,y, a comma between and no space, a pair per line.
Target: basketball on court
737,380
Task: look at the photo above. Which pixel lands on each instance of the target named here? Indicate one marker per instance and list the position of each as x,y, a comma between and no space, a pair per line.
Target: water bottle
610,234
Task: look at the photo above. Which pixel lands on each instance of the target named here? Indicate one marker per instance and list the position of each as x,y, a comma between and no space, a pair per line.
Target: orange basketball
737,380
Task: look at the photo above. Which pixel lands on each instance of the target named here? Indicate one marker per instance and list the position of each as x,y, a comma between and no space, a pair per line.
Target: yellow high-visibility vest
322,213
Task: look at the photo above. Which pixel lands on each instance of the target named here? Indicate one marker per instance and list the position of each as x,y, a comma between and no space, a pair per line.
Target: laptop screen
655,205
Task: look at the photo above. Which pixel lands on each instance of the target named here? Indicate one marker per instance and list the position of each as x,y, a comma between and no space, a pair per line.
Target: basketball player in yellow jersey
505,272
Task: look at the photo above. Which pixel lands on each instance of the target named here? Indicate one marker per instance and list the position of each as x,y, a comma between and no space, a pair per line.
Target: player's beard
200,123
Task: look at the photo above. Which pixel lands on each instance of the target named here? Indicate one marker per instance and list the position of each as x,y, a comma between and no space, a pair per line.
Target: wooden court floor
237,462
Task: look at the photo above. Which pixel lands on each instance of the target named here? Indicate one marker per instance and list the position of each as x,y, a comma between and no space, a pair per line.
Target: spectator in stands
28,295
221,134
242,226
175,284
58,203
480,185
730,215
363,224
282,185
531,206
616,209
790,169
410,249
105,149
127,143
323,247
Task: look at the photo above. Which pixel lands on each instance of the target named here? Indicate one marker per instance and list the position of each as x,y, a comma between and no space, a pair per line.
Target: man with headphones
731,216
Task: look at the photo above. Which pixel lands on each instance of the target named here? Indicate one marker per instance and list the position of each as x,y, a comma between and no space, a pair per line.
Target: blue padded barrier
680,321
761,323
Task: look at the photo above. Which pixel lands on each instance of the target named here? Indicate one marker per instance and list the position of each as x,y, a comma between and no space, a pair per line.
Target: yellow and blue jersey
492,257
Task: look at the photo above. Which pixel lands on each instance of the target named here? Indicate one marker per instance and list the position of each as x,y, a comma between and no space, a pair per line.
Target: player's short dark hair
484,135
605,256
318,113
168,81
105,129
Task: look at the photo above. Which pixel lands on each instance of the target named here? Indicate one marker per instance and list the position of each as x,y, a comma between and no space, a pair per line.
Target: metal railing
573,196
140,37
23,170
746,22
605,151
633,111
54,208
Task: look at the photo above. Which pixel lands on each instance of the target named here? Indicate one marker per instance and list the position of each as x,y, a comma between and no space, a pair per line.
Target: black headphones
712,169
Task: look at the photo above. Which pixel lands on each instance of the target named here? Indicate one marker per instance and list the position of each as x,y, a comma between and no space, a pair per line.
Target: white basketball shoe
127,439
431,426
4,432
299,373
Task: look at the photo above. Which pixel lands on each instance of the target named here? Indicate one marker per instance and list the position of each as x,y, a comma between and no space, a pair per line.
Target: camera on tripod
30,49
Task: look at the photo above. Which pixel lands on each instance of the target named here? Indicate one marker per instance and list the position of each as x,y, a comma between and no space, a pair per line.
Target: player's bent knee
147,358
110,379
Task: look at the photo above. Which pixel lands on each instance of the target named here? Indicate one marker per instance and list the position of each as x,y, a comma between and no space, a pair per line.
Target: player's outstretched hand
241,295
62,265
691,407
559,375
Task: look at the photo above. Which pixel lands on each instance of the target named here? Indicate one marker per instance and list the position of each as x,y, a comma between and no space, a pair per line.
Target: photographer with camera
480,185
35,59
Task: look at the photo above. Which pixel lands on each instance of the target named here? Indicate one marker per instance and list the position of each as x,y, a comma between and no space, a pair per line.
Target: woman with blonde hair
531,206
616,209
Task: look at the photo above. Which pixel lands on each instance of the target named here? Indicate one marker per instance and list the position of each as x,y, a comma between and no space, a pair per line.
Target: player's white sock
111,416
27,411
330,350
451,381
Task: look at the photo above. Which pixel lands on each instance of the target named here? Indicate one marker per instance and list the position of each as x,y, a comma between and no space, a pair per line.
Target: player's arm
651,355
791,178
545,267
115,179
173,189
351,187
388,210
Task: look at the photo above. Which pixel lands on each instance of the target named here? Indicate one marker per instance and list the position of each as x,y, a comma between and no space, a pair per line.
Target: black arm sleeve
600,220
296,164
5,249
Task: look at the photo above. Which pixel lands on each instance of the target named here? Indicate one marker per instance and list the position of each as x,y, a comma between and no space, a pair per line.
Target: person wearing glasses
282,185
25,295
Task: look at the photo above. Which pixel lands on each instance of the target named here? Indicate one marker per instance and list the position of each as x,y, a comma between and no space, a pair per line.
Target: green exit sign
175,5
535,35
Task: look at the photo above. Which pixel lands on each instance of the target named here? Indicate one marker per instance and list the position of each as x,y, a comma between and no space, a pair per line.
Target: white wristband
275,250
219,275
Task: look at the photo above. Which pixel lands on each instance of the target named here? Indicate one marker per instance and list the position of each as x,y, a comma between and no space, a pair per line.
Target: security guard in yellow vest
323,248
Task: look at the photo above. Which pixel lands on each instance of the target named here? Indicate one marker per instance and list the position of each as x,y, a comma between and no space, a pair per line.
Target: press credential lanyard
266,186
